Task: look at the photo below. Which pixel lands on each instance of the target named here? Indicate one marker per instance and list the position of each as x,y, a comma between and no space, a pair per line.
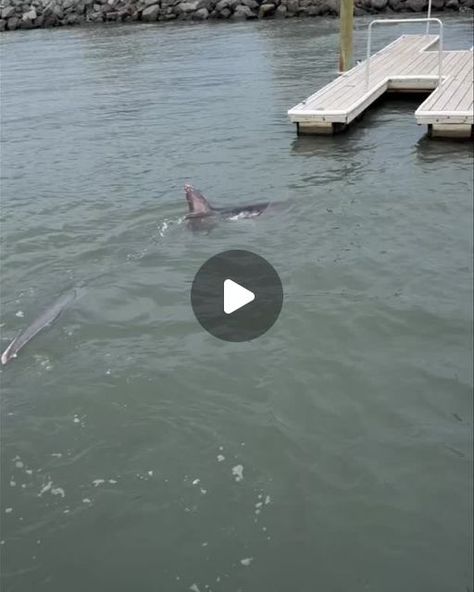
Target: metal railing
427,20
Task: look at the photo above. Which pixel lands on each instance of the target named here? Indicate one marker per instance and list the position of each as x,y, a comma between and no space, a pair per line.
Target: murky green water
121,425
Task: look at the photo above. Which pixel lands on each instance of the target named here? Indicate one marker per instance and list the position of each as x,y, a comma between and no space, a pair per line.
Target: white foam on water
58,491
267,500
196,481
8,510
112,481
86,500
98,482
12,483
194,588
28,471
204,544
164,227
203,491
150,473
76,419
246,561
238,472
19,464
20,314
259,504
57,454
220,457
45,488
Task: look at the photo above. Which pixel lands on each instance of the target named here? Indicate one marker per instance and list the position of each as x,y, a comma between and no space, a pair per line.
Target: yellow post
347,19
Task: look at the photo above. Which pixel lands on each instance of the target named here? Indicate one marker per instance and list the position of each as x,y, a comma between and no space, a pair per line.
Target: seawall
29,14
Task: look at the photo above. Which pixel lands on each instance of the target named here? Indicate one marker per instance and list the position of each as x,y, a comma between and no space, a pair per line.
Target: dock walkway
409,64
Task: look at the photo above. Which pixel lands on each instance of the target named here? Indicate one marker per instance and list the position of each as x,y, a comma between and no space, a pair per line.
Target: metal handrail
397,21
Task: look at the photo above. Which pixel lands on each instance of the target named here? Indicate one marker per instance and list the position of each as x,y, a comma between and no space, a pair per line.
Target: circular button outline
249,270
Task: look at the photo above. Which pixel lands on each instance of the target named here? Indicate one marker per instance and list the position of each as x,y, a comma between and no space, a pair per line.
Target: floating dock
412,63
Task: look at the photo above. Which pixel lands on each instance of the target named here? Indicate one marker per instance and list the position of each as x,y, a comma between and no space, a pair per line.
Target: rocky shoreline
29,14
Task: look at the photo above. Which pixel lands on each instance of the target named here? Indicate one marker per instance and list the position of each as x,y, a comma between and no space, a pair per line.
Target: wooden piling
346,16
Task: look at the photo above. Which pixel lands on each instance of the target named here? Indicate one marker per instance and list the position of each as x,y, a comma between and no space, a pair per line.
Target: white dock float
411,63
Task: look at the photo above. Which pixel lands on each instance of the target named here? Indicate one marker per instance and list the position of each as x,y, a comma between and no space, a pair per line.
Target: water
350,421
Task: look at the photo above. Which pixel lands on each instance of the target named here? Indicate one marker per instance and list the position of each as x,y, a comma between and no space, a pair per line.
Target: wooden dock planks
411,63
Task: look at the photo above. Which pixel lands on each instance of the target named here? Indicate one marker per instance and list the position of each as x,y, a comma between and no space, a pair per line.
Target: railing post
429,16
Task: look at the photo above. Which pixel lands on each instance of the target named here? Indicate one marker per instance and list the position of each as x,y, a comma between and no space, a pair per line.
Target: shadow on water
431,149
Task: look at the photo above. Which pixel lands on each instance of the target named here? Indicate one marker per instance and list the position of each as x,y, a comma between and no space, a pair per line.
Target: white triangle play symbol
235,296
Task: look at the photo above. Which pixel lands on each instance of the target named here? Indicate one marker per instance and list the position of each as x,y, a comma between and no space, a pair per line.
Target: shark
45,319
202,214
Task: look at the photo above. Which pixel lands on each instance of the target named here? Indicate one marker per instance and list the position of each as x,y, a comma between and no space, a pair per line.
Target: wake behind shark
201,211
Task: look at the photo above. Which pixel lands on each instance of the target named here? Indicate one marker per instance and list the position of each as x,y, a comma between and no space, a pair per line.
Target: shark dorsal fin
198,204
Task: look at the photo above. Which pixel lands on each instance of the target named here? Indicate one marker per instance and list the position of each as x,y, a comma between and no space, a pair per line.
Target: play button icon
236,295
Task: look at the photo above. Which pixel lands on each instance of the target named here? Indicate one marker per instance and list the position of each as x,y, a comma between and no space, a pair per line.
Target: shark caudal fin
198,204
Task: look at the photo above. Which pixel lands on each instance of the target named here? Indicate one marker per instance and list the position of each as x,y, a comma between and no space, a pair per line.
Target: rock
149,2
250,3
281,11
3,25
332,6
8,12
221,5
201,15
13,23
452,4
207,4
151,13
71,19
28,18
243,12
379,4
224,13
95,17
266,10
416,5
187,7
292,6
68,4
